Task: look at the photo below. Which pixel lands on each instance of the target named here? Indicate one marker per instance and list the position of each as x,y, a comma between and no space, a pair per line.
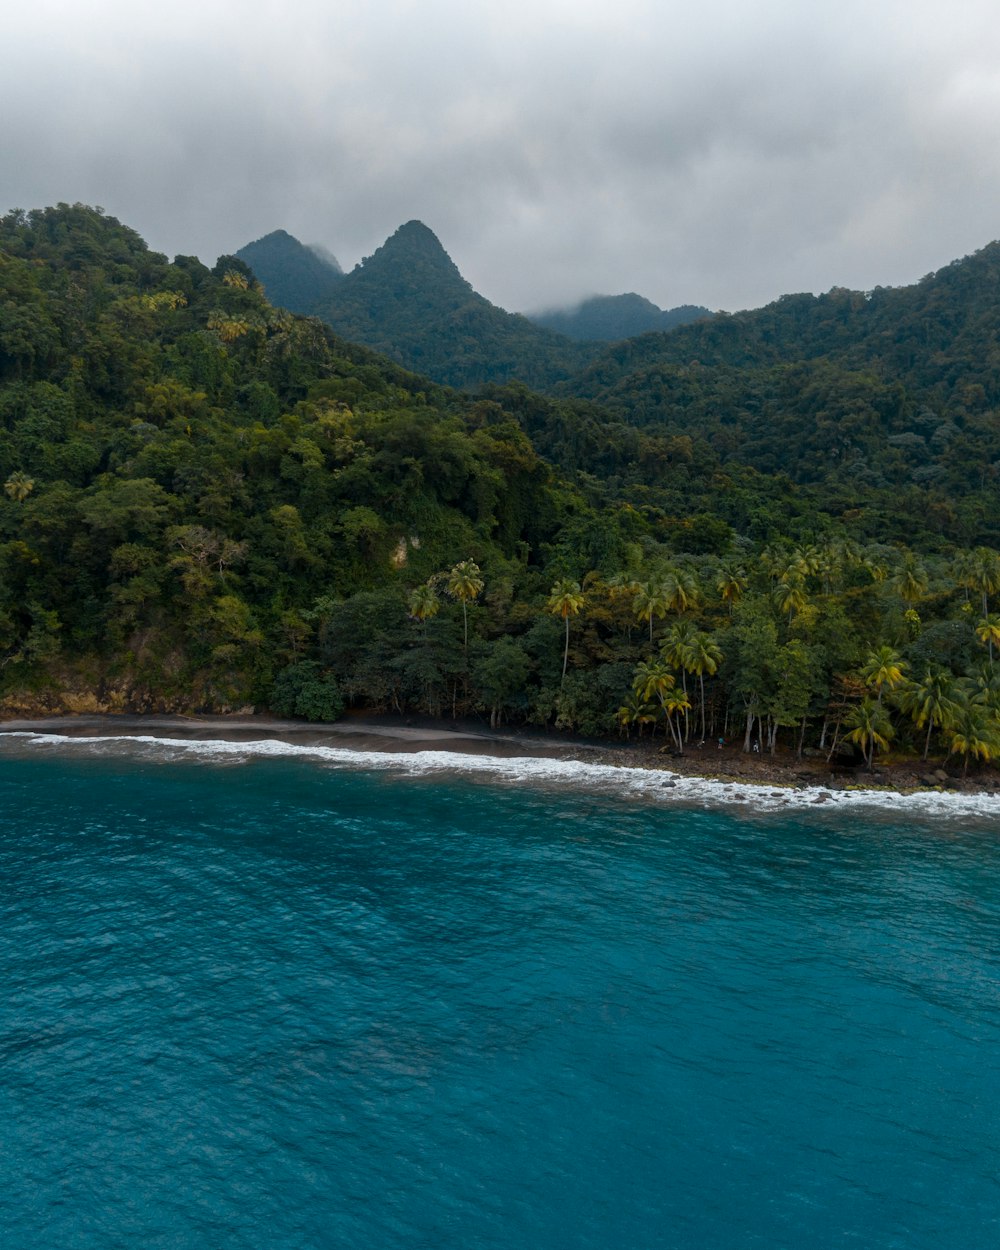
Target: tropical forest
379,492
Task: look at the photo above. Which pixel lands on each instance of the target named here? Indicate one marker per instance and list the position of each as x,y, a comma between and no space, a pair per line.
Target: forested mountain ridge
409,301
609,318
209,503
293,276
866,392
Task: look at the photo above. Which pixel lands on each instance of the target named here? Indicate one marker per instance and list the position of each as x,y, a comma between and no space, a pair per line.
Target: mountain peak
294,276
418,249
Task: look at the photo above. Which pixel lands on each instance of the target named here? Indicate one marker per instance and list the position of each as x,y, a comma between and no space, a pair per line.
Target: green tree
869,726
973,730
988,631
465,583
19,486
566,599
931,700
423,603
883,669
652,599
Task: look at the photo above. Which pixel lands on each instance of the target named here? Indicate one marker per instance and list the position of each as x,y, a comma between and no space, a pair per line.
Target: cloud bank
720,154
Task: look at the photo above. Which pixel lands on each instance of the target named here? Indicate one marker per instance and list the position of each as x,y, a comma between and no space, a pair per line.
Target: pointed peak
275,236
414,247
416,230
415,239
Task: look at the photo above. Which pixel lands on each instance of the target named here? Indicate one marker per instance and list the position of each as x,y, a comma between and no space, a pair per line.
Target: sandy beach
727,766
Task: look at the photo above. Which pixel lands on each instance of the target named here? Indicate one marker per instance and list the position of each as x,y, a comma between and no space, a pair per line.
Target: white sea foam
629,783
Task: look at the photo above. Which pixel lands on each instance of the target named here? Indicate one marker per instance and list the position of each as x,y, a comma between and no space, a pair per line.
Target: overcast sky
718,152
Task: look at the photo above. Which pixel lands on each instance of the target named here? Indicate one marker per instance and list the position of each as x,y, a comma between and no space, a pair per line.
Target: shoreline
725,774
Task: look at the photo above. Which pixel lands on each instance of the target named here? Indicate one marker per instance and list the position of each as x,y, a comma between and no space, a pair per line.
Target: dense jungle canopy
781,524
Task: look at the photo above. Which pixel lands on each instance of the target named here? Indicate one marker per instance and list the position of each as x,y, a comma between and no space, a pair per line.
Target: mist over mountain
293,276
608,318
324,253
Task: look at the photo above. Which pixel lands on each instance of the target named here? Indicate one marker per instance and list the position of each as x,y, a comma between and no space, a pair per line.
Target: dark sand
397,735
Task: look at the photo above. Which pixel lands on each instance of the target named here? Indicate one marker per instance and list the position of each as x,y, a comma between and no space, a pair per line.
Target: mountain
210,503
894,389
293,276
409,301
608,318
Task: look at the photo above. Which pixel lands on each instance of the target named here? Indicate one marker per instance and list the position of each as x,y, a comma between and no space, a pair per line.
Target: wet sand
394,735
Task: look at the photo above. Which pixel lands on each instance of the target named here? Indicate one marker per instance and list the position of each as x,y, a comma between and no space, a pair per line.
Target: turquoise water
266,1002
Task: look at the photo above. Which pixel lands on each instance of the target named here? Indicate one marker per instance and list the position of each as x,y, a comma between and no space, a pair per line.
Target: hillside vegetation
210,503
409,301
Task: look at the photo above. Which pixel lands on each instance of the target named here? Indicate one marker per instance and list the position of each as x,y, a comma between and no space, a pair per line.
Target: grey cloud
722,154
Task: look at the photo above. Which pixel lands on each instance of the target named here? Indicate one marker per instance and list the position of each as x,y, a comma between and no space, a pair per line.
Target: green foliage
211,503
304,689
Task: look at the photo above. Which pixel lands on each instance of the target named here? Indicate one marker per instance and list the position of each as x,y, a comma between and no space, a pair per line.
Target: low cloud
711,154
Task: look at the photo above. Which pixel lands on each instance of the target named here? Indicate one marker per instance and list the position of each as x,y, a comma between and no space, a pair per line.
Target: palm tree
682,588
653,679
974,731
884,668
464,583
869,726
790,596
931,700
565,600
704,656
423,603
911,580
635,711
730,582
651,599
19,486
988,631
985,573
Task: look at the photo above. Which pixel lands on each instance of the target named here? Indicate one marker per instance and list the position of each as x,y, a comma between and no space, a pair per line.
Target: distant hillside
892,388
608,318
293,276
409,301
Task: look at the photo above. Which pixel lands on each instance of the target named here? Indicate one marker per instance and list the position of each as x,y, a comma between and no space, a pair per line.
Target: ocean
266,996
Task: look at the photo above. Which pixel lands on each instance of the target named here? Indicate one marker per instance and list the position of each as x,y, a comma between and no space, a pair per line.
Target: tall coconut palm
731,582
423,603
704,656
790,596
911,580
651,599
931,700
654,680
974,731
464,583
988,631
565,599
683,591
985,572
883,669
869,726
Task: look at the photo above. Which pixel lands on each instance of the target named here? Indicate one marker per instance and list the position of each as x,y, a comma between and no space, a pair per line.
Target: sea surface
257,997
